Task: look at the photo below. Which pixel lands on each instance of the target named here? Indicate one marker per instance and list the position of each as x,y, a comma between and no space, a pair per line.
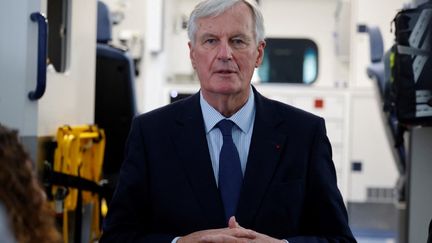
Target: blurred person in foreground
227,164
430,233
27,216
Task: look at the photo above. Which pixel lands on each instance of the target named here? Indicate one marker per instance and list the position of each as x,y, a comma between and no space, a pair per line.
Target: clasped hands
234,233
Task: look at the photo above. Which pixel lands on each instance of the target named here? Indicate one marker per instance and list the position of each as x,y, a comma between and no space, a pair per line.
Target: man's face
225,53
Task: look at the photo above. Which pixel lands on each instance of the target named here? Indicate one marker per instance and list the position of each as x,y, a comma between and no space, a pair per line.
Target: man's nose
225,51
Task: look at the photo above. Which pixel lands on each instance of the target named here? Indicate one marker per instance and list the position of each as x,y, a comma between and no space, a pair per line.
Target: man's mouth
225,71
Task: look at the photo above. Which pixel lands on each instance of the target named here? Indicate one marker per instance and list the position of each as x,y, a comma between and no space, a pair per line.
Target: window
58,23
289,61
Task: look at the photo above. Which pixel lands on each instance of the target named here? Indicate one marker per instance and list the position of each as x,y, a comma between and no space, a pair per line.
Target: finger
230,235
232,223
220,239
243,233
223,239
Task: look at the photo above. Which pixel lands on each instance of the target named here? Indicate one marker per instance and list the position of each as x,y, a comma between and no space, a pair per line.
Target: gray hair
212,8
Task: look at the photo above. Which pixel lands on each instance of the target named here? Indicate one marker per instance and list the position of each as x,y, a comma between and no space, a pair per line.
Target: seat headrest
104,23
376,44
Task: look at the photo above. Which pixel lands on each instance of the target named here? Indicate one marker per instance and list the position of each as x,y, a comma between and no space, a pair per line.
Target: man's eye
210,41
238,43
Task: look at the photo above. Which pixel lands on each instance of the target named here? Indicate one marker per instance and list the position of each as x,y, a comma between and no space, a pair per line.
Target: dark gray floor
378,216
373,222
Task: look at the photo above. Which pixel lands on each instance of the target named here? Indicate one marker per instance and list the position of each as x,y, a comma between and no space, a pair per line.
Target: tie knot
225,126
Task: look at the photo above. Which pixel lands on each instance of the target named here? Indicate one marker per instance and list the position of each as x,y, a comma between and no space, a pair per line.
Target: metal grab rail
42,56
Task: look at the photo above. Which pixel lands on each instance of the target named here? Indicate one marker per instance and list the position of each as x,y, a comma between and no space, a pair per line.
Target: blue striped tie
230,173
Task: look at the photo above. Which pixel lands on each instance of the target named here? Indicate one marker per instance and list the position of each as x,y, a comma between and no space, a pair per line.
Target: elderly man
227,164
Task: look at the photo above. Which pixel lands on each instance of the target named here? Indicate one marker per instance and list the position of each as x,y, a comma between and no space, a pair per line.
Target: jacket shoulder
170,111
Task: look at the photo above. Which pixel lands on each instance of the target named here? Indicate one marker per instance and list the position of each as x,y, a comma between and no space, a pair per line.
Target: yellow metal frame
80,152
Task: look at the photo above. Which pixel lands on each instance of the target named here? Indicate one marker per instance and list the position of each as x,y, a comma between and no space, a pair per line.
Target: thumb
232,223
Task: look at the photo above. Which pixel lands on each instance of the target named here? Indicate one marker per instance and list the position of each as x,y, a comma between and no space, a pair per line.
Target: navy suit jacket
167,187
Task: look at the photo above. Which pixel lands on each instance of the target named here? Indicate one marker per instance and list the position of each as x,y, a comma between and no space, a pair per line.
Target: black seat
115,104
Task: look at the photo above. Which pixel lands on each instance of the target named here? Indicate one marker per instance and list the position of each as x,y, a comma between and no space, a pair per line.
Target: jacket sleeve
128,214
325,216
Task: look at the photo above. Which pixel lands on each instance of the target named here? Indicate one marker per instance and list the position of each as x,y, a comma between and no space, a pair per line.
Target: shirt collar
243,118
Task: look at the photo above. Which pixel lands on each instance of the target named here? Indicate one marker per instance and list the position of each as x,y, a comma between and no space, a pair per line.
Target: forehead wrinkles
236,26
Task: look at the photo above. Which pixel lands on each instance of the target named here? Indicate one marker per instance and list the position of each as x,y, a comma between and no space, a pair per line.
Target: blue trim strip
42,56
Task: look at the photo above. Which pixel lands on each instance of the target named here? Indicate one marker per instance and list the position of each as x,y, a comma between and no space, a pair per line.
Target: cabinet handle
42,56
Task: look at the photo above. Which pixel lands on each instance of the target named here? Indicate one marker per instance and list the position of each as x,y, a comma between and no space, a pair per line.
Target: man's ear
261,46
191,54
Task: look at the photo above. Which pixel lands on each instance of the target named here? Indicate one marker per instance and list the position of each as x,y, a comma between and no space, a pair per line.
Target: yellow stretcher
79,152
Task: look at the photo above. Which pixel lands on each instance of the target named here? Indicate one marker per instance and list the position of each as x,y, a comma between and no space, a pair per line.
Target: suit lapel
191,143
264,155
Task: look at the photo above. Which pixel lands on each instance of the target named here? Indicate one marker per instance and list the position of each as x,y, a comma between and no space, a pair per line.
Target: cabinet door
69,95
18,65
